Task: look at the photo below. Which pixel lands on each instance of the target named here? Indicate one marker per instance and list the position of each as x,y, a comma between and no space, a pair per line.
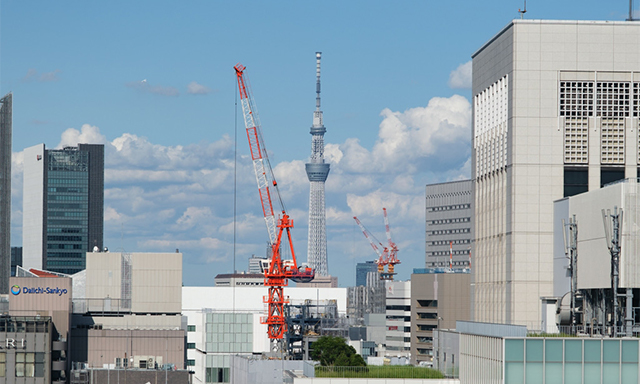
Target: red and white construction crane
393,248
382,256
279,271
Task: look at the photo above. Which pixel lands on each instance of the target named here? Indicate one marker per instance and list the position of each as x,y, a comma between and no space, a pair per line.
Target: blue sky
395,96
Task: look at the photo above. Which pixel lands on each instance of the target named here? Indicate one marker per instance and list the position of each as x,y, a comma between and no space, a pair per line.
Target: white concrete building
398,313
556,108
225,320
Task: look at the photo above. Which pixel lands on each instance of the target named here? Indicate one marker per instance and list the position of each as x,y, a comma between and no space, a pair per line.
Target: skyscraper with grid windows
63,203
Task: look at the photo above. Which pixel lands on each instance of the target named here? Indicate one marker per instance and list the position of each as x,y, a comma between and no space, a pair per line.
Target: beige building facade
556,112
437,300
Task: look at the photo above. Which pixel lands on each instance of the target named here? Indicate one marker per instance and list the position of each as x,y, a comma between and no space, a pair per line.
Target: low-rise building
439,298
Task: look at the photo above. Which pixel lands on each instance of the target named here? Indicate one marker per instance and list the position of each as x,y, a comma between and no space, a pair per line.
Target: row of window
67,206
67,198
65,246
447,242
65,230
450,221
427,316
28,364
607,98
73,255
446,253
427,327
66,214
404,318
446,264
449,231
67,181
448,207
67,190
51,263
399,308
428,303
65,238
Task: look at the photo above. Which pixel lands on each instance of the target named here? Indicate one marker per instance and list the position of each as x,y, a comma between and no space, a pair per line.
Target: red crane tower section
279,271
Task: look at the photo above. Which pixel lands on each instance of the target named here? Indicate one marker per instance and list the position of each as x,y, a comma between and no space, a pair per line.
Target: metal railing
585,331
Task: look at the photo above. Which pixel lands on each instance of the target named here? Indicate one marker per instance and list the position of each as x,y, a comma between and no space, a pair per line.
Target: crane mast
279,271
393,248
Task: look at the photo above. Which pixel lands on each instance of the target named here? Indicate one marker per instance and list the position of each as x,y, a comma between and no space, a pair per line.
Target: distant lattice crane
393,248
279,271
383,256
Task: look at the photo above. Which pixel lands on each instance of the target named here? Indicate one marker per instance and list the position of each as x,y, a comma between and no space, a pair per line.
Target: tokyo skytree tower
317,172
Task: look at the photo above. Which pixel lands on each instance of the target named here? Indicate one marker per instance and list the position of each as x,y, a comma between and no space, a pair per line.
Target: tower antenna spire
317,172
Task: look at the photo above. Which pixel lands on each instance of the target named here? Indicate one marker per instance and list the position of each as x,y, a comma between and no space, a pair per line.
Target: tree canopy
334,351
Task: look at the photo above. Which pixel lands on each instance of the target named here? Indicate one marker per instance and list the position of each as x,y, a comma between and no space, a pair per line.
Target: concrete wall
156,280
33,207
98,347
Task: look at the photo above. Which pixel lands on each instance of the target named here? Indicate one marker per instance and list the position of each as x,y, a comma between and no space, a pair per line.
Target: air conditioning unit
150,362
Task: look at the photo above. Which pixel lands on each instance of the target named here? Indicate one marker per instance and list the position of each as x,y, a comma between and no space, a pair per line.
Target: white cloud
159,198
33,75
460,78
145,86
194,88
88,134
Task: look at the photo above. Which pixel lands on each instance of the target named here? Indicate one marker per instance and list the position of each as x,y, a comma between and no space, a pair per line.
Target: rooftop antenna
523,11
630,11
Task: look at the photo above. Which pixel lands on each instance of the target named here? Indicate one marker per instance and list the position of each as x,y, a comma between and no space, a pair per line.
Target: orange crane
279,271
393,248
382,256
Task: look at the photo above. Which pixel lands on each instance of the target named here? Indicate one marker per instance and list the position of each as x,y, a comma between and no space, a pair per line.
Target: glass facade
226,333
73,205
67,199
571,361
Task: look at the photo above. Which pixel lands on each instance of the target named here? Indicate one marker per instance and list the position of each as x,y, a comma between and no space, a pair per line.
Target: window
575,181
142,364
25,364
428,303
118,362
191,345
191,328
609,175
427,316
426,327
191,363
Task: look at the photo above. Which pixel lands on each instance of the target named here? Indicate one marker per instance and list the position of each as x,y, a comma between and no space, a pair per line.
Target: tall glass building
63,206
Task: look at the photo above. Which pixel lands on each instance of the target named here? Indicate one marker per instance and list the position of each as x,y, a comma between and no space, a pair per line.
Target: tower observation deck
317,172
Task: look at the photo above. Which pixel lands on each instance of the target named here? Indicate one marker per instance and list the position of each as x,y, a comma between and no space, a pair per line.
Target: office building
6,121
398,318
63,204
555,113
362,269
439,298
16,259
449,224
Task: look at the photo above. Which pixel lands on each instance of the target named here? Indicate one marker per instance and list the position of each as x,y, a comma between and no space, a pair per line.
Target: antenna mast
630,11
523,11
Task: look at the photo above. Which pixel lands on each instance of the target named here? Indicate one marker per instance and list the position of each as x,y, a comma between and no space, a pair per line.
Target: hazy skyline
154,82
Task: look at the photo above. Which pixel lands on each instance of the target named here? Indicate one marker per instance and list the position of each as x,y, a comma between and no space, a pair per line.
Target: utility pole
571,248
612,233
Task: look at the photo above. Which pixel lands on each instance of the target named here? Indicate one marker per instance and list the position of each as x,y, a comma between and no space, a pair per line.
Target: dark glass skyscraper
63,219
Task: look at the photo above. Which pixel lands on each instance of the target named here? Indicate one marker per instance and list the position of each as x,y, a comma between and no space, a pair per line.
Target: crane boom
383,256
261,164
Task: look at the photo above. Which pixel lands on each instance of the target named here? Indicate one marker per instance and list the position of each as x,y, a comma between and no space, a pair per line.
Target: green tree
334,351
